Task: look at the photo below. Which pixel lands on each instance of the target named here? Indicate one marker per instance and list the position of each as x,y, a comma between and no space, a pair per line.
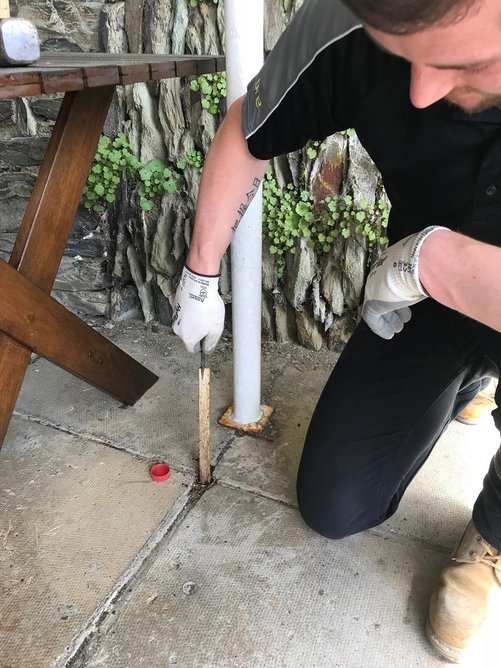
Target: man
420,81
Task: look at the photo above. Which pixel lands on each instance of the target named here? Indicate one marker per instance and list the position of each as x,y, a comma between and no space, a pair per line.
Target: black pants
381,412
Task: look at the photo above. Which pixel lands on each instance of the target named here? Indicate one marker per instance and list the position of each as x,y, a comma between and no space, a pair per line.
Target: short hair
400,17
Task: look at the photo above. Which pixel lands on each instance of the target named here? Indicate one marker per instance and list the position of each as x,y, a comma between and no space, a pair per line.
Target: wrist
202,265
433,249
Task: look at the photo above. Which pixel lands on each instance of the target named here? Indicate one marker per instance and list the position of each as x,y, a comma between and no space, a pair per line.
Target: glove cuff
195,273
418,244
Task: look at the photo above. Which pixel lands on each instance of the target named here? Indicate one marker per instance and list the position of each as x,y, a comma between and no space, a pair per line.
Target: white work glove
198,312
393,285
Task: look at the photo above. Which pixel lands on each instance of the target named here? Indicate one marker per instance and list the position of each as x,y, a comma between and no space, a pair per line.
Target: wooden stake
204,424
4,9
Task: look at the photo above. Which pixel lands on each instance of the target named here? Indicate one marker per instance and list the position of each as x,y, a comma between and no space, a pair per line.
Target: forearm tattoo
245,205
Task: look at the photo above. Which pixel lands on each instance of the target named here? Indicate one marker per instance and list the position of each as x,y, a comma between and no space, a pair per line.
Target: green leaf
155,165
170,186
145,204
104,141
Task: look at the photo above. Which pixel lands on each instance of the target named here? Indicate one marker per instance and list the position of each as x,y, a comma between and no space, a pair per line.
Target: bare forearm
463,274
230,179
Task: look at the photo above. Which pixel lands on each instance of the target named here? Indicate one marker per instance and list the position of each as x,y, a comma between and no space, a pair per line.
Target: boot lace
491,557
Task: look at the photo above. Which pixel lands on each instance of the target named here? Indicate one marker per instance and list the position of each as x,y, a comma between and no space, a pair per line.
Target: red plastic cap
160,472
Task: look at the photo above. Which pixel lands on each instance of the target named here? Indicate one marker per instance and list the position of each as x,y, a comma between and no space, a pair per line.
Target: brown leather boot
468,599
480,407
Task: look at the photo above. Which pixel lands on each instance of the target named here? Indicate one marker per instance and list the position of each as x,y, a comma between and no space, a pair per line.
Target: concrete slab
243,582
436,505
163,423
269,463
73,516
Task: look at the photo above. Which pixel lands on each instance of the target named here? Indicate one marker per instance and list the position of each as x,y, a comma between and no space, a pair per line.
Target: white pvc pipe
244,56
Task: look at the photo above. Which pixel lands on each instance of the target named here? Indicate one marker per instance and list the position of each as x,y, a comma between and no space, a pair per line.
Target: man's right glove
198,312
393,285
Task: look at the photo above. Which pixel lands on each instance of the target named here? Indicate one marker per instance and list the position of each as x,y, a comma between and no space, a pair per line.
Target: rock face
125,262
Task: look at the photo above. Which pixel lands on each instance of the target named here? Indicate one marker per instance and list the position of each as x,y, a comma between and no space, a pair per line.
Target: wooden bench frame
30,320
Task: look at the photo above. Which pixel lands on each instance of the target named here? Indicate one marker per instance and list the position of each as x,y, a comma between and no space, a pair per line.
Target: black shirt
440,166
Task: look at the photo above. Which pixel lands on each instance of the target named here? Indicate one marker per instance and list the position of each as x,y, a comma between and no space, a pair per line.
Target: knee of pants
327,529
333,514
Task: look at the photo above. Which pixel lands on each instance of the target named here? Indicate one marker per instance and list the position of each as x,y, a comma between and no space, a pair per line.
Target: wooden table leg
14,360
61,179
47,223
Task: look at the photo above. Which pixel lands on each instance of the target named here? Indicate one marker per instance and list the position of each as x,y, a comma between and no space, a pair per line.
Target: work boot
480,407
468,599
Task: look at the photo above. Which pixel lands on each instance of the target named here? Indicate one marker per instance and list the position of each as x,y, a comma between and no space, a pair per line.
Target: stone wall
125,263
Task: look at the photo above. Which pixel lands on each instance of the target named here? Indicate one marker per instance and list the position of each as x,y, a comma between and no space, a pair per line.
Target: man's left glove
198,312
393,285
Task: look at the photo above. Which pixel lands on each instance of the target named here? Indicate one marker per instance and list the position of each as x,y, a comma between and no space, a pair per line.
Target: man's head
454,46
404,17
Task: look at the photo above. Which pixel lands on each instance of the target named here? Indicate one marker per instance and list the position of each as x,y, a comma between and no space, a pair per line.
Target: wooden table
30,320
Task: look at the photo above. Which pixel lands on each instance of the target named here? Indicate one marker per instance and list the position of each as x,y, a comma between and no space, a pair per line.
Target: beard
471,100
